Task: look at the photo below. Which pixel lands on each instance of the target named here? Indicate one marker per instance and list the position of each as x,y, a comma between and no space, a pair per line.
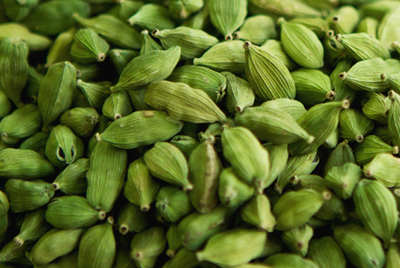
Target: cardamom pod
257,29
72,180
172,204
151,17
371,147
89,47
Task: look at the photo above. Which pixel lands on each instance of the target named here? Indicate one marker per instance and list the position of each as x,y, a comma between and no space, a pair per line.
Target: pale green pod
18,10
249,159
295,208
233,247
393,256
312,86
318,25
182,9
387,175
378,9
371,147
28,195
113,30
184,259
63,147
71,212
224,56
286,8
370,75
368,25
121,57
14,70
11,253
16,30
137,100
268,76
394,81
140,187
272,125
387,31
239,94
89,47
257,29
151,66
333,139
149,43
361,46
296,166
33,227
319,121
361,248
396,46
60,50
56,91
343,179
196,228
326,253
193,42
132,219
278,158
5,105
166,162
377,209
183,102
172,204
23,163
147,123
146,246
274,47
117,105
200,20
233,192
51,18
204,170
54,244
72,180
377,107
97,247
151,17
298,239
173,240
257,212
106,175
227,15
185,143
354,125
302,45
293,107
81,120
342,90
393,117
21,123
95,92
345,20
199,77
290,260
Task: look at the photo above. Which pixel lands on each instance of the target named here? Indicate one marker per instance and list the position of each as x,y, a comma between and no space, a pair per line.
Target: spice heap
199,133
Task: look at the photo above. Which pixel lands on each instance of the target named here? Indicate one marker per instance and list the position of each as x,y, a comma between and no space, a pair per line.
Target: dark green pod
87,72
151,66
132,219
88,47
117,105
97,248
81,120
22,163
12,253
54,244
96,92
14,69
113,30
173,240
151,17
184,259
72,180
51,18
5,105
121,57
172,204
146,246
33,227
70,212
148,122
63,147
17,10
60,50
137,100
339,156
56,91
22,123
140,187
28,195
123,257
36,142
4,207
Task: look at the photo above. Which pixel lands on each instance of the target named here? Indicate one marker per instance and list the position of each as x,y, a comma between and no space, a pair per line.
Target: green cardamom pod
387,175
124,9
5,105
185,143
393,117
343,179
36,142
121,57
289,260
132,219
344,20
151,17
371,147
60,50
368,25
257,29
387,32
239,94
173,240
95,92
298,239
18,10
318,25
393,256
377,107
293,107
257,212
342,90
326,253
89,47
278,157
137,100
81,120
4,207
182,9
184,259
33,227
354,125
149,43
274,47
18,31
72,180
172,204
287,8
117,105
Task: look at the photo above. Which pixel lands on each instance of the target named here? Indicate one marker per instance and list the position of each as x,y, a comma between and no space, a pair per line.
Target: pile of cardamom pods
199,133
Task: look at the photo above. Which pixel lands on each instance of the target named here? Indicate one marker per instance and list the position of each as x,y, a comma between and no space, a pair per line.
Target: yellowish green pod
290,260
371,147
16,30
172,204
326,253
388,175
257,212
